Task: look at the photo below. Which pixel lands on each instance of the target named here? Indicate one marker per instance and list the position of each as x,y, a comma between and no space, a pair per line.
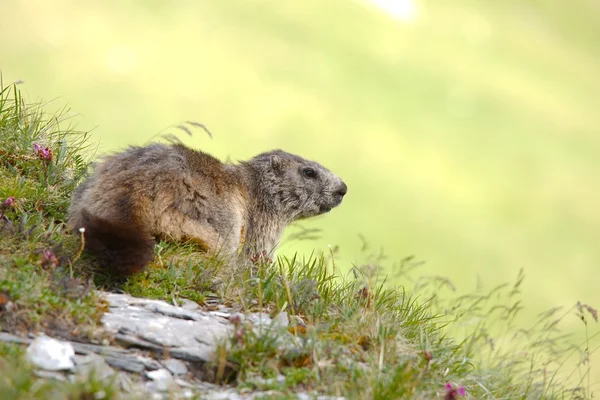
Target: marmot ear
276,162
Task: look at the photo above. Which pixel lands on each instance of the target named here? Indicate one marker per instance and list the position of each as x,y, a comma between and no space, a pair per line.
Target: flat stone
128,364
177,367
55,375
155,325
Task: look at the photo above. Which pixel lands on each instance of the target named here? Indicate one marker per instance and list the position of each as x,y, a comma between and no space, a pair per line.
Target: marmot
169,191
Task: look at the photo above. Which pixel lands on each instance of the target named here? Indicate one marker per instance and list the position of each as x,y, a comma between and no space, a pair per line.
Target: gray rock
162,380
177,367
260,320
156,325
50,354
181,333
94,366
125,382
189,305
280,379
306,396
55,375
281,320
221,314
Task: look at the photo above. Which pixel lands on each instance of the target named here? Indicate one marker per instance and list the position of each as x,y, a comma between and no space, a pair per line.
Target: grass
352,335
40,163
468,135
18,380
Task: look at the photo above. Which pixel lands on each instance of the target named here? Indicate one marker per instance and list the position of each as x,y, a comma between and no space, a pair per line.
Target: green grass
18,381
472,132
362,338
351,334
36,275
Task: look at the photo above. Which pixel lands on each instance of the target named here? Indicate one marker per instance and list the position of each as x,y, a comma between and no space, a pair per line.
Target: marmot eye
309,173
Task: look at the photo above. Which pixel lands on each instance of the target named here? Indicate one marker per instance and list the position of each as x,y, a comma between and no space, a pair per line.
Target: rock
276,328
260,320
280,379
162,380
125,383
155,325
58,376
281,321
187,393
126,364
306,396
184,384
224,395
177,367
50,354
221,314
189,305
94,366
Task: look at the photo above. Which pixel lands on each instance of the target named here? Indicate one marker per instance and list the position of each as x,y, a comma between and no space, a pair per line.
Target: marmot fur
169,191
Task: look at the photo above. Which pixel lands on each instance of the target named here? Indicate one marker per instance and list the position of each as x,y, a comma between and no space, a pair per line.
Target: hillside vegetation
362,338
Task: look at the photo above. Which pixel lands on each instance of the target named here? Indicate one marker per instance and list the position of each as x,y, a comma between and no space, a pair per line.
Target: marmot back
175,193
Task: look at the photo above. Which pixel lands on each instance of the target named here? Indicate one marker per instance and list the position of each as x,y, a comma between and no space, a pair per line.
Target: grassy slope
483,112
358,338
475,126
36,275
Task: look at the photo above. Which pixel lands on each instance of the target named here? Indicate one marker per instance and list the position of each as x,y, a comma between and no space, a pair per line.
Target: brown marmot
169,191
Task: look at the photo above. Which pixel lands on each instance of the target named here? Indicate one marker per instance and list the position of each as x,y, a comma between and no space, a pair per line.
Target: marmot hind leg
123,248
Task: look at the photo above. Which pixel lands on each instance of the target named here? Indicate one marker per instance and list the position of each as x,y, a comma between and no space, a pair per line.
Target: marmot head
295,187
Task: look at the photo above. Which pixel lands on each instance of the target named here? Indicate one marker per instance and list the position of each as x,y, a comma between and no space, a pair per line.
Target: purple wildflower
9,202
261,257
235,319
454,392
44,153
49,259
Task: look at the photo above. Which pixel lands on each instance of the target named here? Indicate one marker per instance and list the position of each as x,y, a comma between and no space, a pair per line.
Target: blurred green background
468,132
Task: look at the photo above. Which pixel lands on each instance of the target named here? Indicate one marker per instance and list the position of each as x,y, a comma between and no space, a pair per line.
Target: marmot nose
342,190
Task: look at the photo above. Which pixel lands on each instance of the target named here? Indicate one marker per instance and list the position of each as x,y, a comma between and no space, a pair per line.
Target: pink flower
452,393
261,257
44,153
9,202
428,356
49,259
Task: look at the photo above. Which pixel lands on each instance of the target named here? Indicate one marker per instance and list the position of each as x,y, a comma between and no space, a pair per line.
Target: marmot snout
173,192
